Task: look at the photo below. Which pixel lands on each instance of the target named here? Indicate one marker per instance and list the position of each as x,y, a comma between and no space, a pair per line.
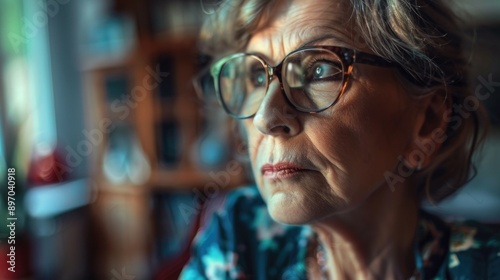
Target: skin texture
347,148
366,228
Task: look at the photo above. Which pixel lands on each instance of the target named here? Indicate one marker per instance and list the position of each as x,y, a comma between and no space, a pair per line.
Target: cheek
362,140
253,140
354,143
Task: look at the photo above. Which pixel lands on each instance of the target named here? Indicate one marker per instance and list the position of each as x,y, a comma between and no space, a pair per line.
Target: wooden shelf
177,178
187,179
121,189
181,44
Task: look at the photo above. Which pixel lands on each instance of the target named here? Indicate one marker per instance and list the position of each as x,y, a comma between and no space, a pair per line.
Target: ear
430,128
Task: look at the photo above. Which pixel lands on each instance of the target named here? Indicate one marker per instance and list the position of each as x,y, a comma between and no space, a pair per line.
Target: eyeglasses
312,78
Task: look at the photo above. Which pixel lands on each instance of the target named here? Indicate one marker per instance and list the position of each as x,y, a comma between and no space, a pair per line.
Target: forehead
300,22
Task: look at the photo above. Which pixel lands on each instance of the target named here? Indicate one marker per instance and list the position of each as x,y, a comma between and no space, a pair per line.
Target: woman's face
309,166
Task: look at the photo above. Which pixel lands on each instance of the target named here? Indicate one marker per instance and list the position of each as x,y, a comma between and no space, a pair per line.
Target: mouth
281,170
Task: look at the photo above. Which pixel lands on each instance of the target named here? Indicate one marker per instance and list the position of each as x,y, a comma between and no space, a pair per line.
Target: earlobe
430,129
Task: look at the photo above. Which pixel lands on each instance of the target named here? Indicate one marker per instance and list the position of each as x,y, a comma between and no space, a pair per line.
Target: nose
276,116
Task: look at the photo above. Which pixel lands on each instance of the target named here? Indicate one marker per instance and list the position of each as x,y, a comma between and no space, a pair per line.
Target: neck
374,241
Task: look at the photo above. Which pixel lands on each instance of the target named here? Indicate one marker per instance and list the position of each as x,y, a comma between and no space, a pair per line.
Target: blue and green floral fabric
243,242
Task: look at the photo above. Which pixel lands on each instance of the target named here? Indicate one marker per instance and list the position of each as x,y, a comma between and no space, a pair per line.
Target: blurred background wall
115,156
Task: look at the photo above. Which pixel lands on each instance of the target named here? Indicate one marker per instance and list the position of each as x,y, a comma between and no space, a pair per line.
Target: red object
48,167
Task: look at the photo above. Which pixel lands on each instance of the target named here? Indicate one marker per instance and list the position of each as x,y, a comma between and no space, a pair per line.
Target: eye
258,77
325,70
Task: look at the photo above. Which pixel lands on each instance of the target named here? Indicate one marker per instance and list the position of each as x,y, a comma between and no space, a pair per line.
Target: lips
281,170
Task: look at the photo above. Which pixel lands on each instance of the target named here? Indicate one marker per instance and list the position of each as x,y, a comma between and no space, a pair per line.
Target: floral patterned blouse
243,242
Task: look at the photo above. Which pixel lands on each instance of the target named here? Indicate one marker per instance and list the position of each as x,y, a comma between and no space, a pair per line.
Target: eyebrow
323,37
327,34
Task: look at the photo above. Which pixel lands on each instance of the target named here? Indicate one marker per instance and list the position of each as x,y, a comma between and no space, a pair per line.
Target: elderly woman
354,112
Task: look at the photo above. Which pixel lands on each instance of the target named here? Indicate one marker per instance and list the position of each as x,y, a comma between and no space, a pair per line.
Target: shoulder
237,212
474,250
244,199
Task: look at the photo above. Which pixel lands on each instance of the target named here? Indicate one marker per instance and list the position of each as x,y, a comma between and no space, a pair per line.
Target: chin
288,209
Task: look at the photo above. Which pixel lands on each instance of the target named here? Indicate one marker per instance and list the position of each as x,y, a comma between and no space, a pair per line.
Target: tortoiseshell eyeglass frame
348,57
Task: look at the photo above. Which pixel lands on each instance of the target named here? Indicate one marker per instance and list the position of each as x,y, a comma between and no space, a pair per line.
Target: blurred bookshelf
154,132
